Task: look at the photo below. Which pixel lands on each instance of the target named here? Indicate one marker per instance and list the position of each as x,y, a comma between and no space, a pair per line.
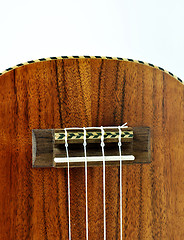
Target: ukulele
91,148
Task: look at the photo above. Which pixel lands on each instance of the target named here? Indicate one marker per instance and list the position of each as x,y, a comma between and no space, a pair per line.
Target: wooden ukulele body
91,92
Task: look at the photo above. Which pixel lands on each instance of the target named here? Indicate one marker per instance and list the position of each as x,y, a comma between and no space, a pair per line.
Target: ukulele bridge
57,147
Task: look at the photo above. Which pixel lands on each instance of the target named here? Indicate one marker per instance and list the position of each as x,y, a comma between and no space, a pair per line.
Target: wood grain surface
91,92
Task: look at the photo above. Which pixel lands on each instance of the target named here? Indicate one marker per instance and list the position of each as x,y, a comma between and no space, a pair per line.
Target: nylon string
86,181
119,144
67,155
103,154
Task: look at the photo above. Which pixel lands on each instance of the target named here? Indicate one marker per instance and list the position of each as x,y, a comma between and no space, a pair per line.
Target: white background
151,31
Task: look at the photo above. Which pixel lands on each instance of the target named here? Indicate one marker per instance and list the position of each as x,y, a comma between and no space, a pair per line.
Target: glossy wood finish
91,92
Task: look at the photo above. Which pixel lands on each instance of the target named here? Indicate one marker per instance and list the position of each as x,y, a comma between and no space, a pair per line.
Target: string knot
102,144
102,137
84,143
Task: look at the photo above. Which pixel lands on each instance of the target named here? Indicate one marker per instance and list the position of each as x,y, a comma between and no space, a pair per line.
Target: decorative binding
92,57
